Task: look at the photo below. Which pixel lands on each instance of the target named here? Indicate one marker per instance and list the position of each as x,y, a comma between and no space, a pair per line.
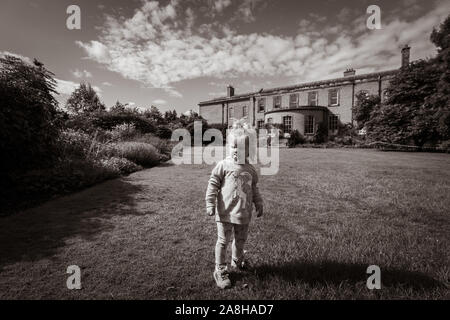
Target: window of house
260,124
309,124
287,124
244,111
333,97
231,113
261,104
293,100
269,120
385,95
312,98
277,102
333,121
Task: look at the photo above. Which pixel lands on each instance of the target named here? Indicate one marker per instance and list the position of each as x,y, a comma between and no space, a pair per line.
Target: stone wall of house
213,113
298,118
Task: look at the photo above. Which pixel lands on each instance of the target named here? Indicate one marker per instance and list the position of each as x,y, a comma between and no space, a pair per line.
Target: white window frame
307,123
336,116
296,100
262,102
290,123
315,100
274,103
330,97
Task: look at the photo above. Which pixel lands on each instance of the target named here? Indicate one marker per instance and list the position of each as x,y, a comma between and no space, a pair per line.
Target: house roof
314,84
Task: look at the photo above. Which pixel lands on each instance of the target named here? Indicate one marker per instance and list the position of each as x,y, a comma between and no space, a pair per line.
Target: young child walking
232,191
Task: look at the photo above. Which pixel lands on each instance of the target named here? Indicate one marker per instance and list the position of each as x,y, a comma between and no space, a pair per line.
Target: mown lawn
329,214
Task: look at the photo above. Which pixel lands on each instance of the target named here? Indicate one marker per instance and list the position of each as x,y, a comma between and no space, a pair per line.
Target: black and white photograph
224,155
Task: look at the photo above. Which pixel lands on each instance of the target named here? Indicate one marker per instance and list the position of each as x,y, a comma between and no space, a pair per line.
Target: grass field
329,214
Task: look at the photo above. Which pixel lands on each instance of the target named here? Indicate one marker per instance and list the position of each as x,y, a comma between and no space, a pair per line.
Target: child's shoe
242,265
221,277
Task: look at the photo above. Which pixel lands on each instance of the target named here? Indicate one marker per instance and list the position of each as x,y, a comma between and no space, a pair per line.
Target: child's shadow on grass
330,272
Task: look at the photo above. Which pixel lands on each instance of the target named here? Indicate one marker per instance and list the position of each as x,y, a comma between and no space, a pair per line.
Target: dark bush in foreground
29,119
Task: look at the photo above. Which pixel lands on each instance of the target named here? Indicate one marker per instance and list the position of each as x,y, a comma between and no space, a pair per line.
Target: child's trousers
224,232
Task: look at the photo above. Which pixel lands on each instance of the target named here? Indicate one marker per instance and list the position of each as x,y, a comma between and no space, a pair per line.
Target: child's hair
239,129
238,134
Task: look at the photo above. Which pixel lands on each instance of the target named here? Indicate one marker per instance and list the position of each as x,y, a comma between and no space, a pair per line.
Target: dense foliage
417,108
84,99
364,106
29,118
50,151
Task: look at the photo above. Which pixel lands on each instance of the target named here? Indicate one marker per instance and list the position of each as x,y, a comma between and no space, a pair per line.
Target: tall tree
29,115
417,109
84,99
155,115
441,38
363,108
407,115
118,107
170,116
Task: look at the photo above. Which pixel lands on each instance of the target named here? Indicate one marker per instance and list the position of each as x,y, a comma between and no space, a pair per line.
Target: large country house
300,107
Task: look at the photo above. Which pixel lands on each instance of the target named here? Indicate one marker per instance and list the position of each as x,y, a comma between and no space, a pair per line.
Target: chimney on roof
230,91
405,55
349,72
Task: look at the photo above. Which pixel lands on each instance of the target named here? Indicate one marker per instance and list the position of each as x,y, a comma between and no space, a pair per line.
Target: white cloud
81,74
66,87
159,101
172,92
107,84
153,48
96,51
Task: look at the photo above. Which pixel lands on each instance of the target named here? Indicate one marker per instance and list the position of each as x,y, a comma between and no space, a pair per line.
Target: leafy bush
78,144
123,132
445,146
163,146
109,120
83,122
344,140
74,144
29,118
321,133
141,153
163,132
364,106
295,138
120,165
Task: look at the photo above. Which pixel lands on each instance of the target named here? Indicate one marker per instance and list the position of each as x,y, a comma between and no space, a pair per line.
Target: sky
175,53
